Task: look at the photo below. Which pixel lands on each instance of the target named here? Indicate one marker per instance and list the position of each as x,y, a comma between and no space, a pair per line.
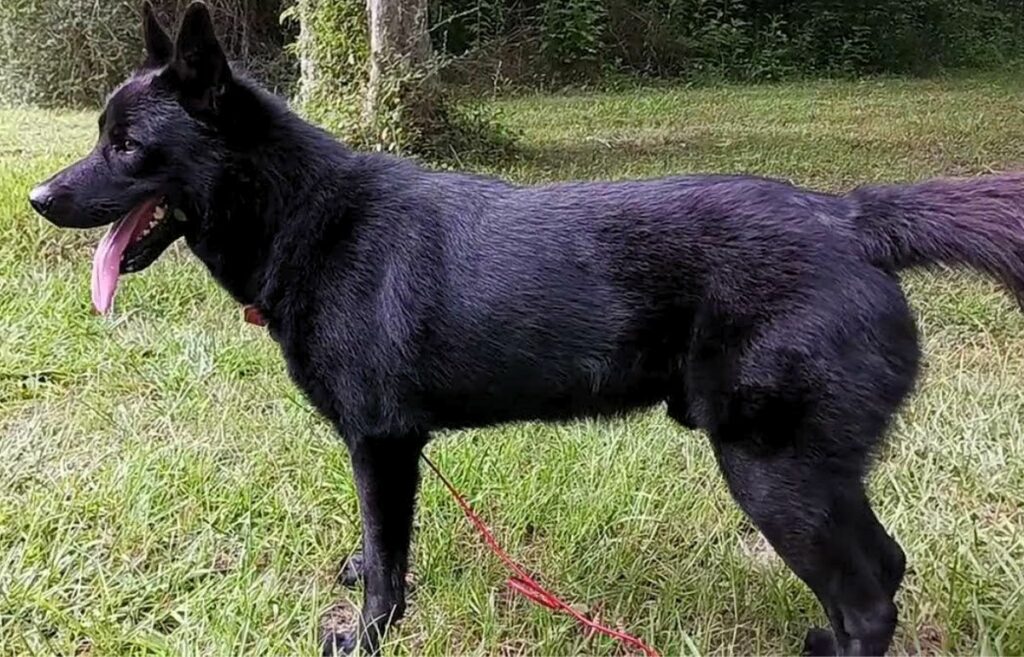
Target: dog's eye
126,145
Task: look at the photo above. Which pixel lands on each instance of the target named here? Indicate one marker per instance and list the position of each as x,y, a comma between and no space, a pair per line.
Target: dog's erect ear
159,47
199,61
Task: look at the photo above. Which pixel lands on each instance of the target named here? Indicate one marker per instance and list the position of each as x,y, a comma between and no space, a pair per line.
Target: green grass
165,490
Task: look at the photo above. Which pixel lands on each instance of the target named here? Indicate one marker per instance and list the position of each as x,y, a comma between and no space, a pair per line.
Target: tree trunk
399,57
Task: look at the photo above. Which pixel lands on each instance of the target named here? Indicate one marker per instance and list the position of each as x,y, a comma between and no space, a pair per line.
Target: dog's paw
339,644
351,573
819,643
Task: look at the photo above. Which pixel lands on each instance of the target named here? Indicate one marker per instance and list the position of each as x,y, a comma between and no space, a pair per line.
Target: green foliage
72,52
573,31
733,39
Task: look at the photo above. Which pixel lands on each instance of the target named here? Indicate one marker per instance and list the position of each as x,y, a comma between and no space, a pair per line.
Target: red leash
526,586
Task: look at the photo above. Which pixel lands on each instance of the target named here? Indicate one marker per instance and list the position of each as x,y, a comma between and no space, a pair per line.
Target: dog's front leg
386,473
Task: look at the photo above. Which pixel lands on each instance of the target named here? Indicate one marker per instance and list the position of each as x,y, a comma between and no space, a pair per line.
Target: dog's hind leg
818,519
386,473
796,409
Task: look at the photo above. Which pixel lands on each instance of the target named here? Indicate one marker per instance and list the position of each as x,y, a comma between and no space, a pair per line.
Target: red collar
253,315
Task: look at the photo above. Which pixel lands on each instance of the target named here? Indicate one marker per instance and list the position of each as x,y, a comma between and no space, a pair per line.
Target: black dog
406,301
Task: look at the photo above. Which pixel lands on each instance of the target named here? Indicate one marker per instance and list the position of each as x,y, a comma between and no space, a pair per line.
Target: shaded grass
167,491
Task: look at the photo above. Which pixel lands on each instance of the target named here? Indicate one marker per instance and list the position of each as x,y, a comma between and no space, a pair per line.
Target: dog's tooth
179,214
158,212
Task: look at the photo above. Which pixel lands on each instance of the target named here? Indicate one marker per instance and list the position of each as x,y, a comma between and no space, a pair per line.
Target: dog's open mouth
132,244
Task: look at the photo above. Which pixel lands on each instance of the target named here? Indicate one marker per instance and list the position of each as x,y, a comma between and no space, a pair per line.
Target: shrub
737,39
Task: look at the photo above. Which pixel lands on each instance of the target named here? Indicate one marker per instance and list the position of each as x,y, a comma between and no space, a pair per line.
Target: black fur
407,301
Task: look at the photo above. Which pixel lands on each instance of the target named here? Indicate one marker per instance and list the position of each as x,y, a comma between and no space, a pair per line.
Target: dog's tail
975,222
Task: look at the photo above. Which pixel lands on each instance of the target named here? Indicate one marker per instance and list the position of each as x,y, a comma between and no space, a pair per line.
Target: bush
573,33
72,52
735,39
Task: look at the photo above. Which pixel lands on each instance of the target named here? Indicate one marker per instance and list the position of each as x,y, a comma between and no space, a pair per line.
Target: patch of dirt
756,548
999,513
929,641
515,648
339,618
224,562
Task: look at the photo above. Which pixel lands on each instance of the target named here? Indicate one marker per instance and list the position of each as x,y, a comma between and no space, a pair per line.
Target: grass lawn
164,490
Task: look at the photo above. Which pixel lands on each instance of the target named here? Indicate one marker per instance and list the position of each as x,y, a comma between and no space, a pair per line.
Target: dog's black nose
41,199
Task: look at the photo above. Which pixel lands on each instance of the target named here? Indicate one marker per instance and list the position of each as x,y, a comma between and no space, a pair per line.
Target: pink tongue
106,264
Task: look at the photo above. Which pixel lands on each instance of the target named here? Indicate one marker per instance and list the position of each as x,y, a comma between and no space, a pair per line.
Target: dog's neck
246,228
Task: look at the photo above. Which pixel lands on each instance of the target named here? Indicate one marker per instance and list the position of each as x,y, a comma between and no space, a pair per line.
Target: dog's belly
587,355
593,388
482,411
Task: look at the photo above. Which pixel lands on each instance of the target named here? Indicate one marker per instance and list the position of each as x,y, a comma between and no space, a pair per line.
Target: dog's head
157,156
